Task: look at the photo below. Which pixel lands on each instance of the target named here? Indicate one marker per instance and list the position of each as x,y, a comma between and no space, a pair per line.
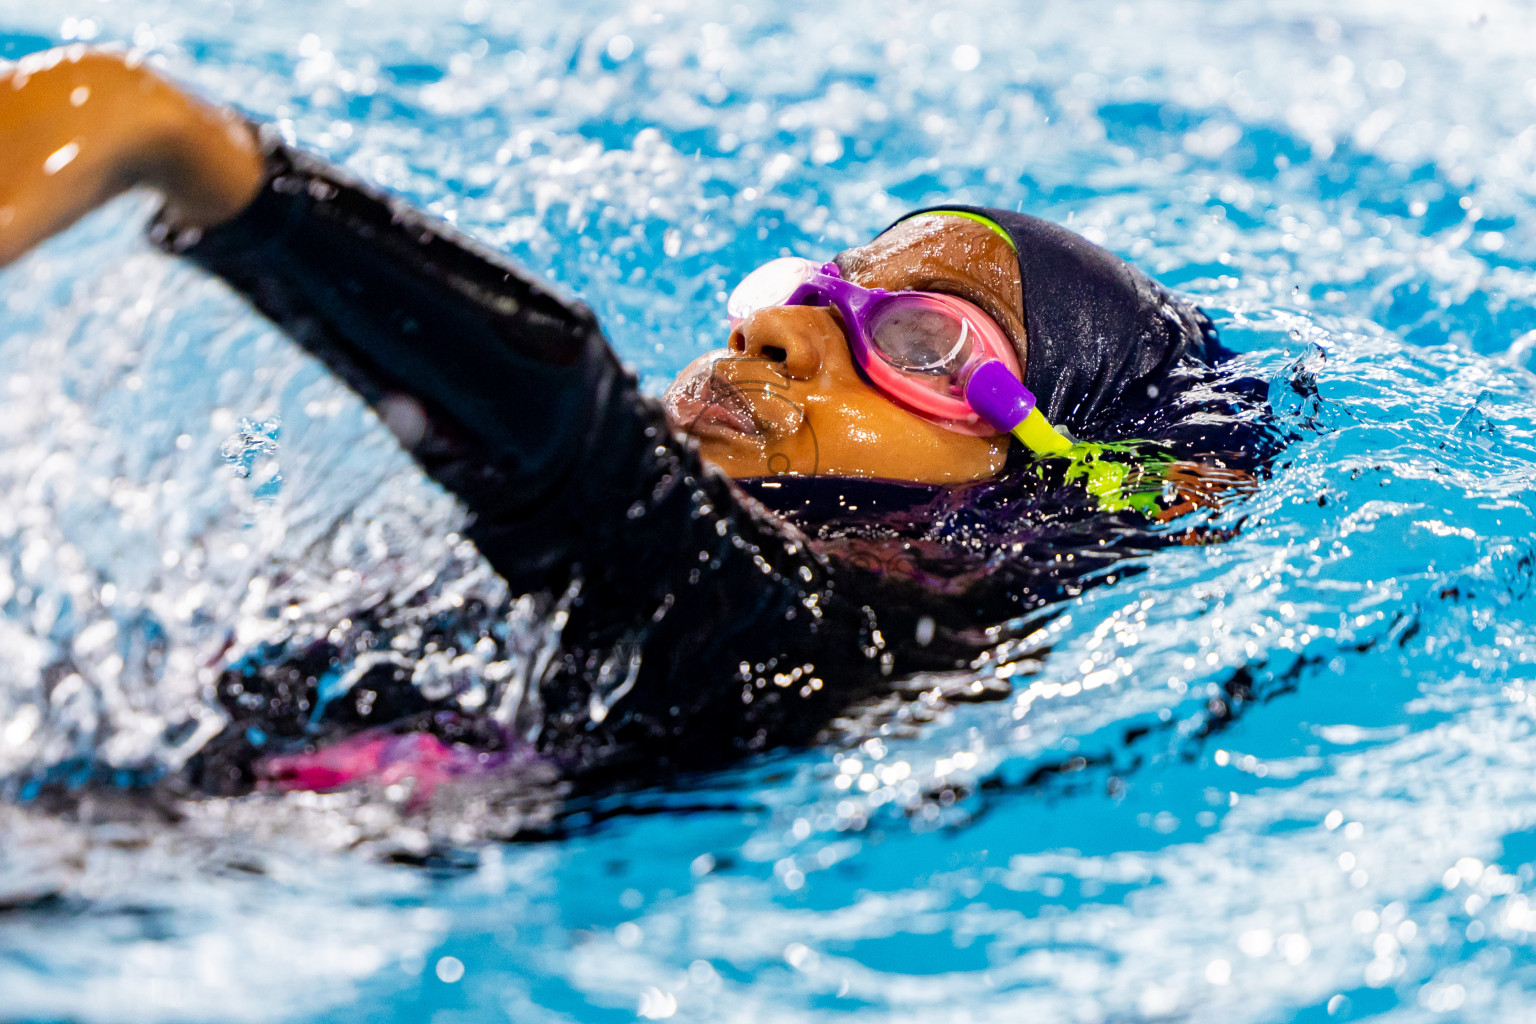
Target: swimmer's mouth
726,408
702,404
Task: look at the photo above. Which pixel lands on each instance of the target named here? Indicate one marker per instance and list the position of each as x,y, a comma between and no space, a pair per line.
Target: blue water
1291,777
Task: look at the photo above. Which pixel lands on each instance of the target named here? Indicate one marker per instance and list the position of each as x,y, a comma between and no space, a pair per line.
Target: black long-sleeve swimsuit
736,628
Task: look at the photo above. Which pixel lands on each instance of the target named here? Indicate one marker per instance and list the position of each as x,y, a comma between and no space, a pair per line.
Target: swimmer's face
787,396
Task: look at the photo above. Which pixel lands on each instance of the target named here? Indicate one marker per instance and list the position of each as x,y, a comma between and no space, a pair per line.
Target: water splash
250,442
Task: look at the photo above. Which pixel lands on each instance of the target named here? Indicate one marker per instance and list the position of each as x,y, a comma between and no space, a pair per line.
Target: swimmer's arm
510,397
77,127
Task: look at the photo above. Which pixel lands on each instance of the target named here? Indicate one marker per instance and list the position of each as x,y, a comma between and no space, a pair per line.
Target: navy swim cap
1101,334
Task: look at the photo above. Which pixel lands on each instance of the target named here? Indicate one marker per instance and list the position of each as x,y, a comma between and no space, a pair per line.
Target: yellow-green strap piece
1119,485
1119,475
1039,436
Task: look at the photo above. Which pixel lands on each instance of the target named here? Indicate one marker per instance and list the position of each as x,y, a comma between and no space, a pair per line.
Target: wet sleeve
693,623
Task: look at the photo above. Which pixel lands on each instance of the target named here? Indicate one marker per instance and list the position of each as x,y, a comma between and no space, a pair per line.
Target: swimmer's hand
79,126
1196,486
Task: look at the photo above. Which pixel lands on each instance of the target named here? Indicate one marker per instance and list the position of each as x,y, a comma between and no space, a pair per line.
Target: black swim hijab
1101,334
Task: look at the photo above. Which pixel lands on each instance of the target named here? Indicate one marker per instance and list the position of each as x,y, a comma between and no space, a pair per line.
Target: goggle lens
769,285
917,338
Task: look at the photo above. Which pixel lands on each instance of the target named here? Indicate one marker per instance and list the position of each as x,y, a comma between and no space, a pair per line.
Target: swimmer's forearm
77,127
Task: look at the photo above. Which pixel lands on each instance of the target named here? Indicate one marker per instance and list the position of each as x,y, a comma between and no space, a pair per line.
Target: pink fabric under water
380,760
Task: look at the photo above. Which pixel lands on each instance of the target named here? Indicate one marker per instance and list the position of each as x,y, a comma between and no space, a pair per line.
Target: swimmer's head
786,395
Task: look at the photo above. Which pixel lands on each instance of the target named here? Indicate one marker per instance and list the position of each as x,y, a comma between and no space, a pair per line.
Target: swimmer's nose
792,337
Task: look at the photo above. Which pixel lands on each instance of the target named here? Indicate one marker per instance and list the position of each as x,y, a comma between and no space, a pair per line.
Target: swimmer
874,478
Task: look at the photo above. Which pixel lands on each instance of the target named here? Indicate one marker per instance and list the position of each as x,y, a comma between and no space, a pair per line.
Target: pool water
1291,777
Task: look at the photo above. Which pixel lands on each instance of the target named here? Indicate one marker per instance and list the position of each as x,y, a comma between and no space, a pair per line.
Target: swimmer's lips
727,414
707,406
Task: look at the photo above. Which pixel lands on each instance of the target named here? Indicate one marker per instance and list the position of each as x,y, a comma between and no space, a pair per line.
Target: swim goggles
934,354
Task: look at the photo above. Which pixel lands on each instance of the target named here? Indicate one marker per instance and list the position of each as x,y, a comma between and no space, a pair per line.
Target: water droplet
61,158
252,440
450,969
620,47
